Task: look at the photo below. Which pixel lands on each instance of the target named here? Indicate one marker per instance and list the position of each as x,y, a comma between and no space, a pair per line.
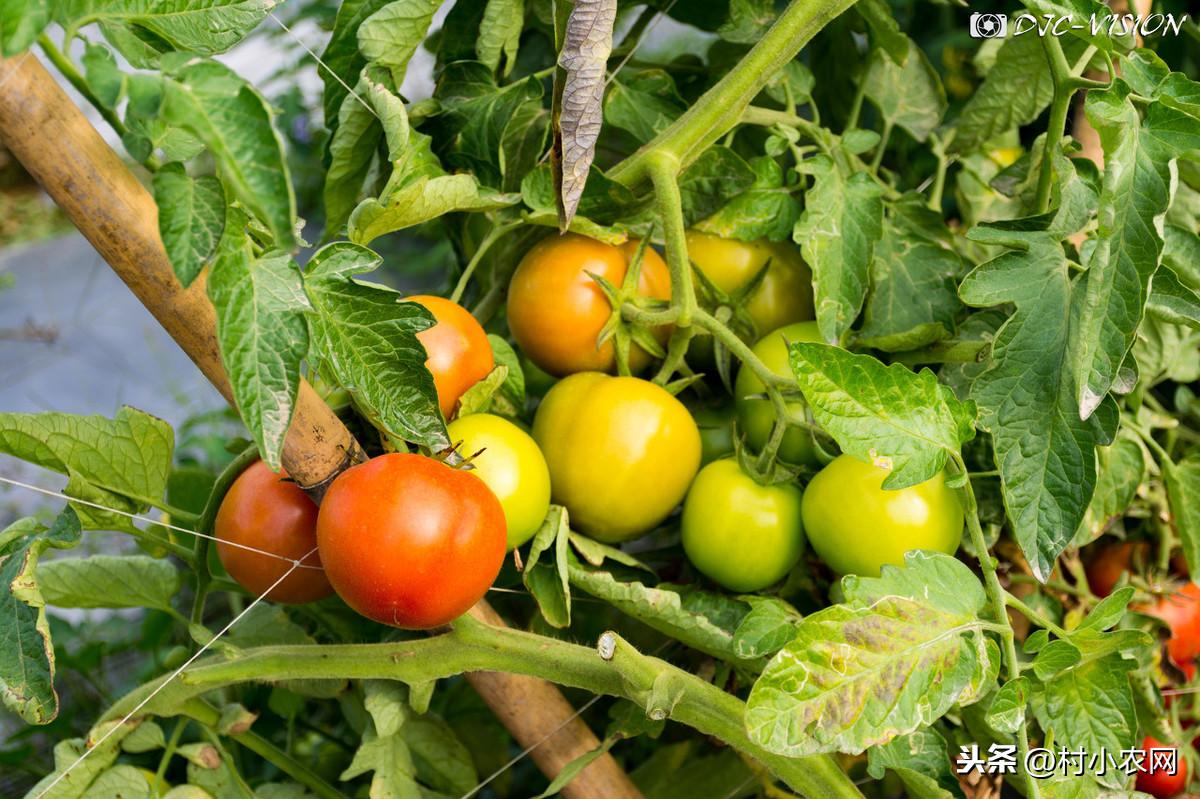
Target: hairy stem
664,173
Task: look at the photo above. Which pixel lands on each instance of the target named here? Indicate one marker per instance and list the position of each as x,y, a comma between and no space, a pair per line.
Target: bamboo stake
53,140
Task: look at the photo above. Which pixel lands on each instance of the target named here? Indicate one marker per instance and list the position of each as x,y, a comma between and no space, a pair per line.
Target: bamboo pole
54,141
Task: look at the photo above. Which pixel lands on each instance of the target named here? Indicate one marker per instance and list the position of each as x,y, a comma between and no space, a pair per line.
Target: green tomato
511,465
716,431
742,535
856,526
756,416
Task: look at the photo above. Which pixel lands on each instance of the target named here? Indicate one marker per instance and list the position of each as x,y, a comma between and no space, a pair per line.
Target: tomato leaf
748,21
109,581
20,23
191,216
1018,87
500,34
1120,469
234,121
420,201
391,35
1007,710
1172,301
642,103
907,93
1045,453
841,223
206,28
341,62
1183,493
860,673
766,210
887,415
548,582
885,32
579,99
921,762
769,625
78,771
367,336
1139,172
391,761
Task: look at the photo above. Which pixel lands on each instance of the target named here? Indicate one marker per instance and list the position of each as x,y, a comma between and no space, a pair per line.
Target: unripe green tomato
740,534
715,423
757,416
510,463
622,452
856,526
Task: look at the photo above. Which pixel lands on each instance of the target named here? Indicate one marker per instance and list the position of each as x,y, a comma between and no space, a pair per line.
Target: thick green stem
721,107
474,646
664,173
491,238
996,595
1016,603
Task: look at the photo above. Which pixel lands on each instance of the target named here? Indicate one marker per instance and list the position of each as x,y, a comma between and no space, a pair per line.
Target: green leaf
549,582
1016,90
842,222
207,27
642,103
235,123
914,297
1090,707
109,581
389,758
1077,16
1055,658
103,76
1120,469
748,21
146,738
766,210
888,415
371,113
500,34
441,759
191,216
513,389
680,616
572,769
77,762
262,333
908,93
391,35
341,62
1183,493
420,201
859,674
921,762
20,23
1138,176
1110,610
125,782
940,579
368,337
1007,711
578,105
1171,300
769,625
26,652
885,32
1044,451
129,454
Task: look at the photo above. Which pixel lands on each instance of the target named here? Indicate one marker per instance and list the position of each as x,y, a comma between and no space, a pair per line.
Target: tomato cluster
413,541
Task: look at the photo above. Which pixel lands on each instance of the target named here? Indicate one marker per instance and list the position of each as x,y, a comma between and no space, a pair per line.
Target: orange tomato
460,354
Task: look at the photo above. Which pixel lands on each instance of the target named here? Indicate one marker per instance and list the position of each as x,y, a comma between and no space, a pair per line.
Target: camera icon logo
988,26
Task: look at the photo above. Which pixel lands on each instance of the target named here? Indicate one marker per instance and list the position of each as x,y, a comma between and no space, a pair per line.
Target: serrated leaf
237,126
748,21
341,62
26,652
368,337
1045,453
441,759
769,625
1119,473
713,179
1077,17
1183,493
500,33
123,782
885,32
1171,300
1138,177
262,333
1110,610
478,398
643,103
390,760
858,675
934,577
109,581
922,763
392,34
1007,711
420,201
887,415
914,297
766,210
579,113
104,77
210,27
1055,658
20,23
841,223
387,703
549,582
129,454
191,216
1016,90
76,771
514,381
1090,707
908,93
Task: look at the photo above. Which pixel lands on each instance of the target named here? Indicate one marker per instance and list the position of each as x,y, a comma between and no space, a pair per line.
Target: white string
613,75
167,681
321,63
148,520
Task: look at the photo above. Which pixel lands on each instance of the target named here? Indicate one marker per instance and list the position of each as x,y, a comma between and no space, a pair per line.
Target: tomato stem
494,235
1016,603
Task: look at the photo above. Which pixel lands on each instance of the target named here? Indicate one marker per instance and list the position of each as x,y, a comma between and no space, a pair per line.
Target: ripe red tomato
1160,782
460,354
1181,613
1106,566
556,310
264,511
409,541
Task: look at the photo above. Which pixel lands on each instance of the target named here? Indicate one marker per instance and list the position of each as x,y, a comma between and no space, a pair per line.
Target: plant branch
664,174
474,646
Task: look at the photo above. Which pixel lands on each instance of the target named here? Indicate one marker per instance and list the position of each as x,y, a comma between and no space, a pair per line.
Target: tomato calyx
626,332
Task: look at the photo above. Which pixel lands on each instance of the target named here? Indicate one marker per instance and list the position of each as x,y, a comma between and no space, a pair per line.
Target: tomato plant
409,541
1161,780
264,512
818,376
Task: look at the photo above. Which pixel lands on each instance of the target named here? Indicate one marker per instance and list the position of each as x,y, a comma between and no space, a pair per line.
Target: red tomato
1157,781
460,354
1105,567
409,541
1180,611
263,511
